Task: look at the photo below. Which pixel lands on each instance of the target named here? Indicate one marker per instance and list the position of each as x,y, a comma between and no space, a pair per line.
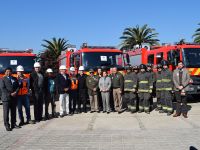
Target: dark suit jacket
7,87
62,83
34,82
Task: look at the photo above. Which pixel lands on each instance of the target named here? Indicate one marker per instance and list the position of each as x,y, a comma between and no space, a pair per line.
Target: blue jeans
24,101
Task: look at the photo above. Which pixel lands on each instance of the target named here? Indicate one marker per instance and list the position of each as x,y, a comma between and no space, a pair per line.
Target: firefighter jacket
152,78
130,82
159,81
117,81
92,82
144,83
167,81
24,84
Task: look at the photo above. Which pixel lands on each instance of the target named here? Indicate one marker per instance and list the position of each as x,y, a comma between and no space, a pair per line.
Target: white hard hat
20,68
37,65
72,69
49,70
81,68
62,67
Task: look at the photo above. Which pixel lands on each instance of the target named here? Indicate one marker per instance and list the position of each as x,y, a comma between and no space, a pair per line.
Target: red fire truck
188,53
13,58
92,57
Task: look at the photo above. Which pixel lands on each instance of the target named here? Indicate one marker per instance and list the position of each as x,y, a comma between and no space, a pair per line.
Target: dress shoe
91,111
176,115
168,114
15,126
61,116
108,112
30,122
8,128
21,123
185,116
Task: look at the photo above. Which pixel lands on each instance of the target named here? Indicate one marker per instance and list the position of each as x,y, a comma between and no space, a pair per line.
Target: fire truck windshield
191,57
94,59
13,61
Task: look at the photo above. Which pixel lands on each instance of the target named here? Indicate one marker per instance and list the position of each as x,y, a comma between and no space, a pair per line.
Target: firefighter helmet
81,68
142,66
37,65
72,69
62,67
159,66
49,70
128,67
149,65
20,68
164,63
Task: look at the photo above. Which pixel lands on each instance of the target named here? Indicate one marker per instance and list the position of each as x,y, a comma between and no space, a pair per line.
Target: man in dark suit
9,87
37,87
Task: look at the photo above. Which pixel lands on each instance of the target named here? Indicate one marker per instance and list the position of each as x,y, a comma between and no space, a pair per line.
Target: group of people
107,90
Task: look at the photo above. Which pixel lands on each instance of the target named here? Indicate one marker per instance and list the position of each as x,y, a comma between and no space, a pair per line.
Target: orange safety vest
24,89
74,85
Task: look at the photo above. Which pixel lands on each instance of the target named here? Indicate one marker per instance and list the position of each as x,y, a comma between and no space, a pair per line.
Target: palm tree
182,41
196,35
56,46
137,35
48,58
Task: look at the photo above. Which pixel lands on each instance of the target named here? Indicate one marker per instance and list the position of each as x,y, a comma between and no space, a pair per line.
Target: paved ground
108,132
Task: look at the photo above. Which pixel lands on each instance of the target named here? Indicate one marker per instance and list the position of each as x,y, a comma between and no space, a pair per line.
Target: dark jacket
82,82
46,85
62,83
34,82
7,87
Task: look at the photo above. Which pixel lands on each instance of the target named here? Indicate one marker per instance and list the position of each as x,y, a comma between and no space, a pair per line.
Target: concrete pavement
113,131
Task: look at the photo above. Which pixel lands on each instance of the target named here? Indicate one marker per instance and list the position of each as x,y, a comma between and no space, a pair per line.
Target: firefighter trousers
158,96
166,97
131,101
144,103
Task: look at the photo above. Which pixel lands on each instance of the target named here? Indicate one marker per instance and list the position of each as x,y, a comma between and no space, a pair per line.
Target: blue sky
25,23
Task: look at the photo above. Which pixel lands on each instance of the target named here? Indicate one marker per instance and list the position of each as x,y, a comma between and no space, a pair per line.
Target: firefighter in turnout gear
144,89
167,84
130,86
158,87
152,79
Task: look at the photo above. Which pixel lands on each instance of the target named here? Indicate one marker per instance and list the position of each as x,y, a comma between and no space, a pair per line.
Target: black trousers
9,106
38,105
50,99
82,99
181,108
73,97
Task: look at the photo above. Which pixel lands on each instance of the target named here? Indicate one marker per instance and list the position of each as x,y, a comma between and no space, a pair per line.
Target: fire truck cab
13,58
92,57
188,53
